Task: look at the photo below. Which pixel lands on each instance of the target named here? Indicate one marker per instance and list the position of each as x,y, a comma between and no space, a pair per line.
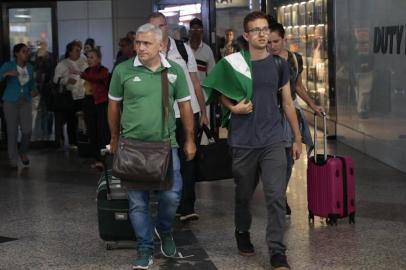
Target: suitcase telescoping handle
104,153
324,136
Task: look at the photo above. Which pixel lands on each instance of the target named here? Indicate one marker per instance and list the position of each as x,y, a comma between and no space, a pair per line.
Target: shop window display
309,38
281,15
302,13
310,12
295,14
288,15
318,12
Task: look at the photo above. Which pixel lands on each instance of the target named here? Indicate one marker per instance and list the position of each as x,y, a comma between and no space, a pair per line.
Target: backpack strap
180,45
278,62
294,57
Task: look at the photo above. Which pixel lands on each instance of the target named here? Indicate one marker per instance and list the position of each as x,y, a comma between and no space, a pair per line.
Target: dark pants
290,163
96,124
3,127
187,169
269,165
69,117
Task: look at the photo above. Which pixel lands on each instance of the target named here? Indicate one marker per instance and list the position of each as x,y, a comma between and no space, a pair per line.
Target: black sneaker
244,244
279,262
288,211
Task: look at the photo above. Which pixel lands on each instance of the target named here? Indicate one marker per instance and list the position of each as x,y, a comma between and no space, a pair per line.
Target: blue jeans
304,130
168,202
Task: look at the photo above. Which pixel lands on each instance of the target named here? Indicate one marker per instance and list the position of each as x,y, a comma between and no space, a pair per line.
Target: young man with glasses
248,83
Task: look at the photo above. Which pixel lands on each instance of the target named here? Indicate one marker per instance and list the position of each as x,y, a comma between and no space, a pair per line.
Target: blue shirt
14,91
262,127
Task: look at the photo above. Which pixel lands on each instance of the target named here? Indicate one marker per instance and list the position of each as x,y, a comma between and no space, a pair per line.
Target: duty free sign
389,39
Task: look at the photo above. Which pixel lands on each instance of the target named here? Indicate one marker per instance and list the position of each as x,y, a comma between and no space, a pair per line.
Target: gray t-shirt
262,127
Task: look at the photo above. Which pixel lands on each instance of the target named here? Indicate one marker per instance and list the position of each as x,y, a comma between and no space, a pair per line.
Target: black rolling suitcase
112,211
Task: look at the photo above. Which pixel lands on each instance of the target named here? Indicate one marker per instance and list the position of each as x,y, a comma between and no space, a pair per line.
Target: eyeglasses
258,30
196,29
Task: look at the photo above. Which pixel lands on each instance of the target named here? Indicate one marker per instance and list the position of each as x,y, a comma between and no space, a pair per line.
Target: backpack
180,45
278,62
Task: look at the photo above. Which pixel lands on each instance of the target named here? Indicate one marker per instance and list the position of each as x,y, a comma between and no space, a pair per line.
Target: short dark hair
70,46
229,30
271,19
96,51
156,14
90,42
252,17
126,41
17,48
196,21
278,28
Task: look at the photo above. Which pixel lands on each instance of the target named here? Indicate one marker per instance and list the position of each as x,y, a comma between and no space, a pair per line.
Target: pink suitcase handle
324,136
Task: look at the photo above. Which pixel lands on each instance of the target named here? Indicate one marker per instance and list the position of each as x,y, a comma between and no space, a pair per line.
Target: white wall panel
86,19
106,21
99,9
70,10
127,16
102,32
69,30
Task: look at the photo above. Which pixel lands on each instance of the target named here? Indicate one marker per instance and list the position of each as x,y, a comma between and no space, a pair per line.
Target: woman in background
89,45
67,74
276,45
20,88
95,103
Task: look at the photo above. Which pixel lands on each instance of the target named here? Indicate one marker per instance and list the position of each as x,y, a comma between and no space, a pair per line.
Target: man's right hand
113,145
243,107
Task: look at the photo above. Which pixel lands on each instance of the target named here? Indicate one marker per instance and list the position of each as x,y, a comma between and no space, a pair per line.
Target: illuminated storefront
307,32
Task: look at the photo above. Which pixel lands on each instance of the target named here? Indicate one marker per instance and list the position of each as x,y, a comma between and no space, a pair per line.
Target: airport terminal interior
49,221
353,55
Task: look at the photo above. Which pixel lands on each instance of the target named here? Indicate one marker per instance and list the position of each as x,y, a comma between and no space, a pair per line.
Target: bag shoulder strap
180,45
278,62
165,93
165,99
296,63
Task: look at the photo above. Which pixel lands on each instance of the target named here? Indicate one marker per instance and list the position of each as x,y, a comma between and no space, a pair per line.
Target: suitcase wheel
352,218
331,220
109,246
311,217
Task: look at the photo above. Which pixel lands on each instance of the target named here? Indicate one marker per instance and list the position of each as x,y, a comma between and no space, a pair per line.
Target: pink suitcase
330,184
